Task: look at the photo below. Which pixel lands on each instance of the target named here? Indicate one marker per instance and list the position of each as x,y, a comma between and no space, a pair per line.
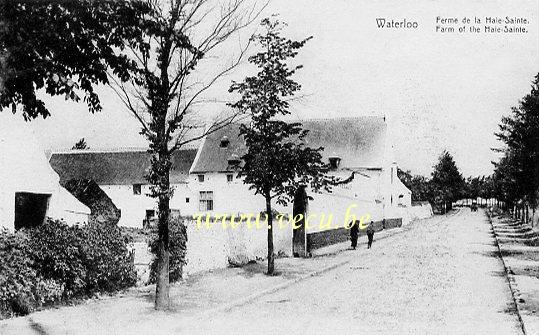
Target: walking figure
354,232
370,234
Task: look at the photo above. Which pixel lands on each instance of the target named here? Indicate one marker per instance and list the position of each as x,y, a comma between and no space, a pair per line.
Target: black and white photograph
269,167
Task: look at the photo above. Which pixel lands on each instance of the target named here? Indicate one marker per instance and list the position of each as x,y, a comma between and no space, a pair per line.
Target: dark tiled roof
212,157
358,141
117,168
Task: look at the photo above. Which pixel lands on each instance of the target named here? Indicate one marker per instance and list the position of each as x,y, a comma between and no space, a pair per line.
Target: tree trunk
533,214
299,245
271,256
3,69
162,287
161,166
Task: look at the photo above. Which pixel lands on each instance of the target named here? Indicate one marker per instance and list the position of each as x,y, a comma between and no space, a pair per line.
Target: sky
439,91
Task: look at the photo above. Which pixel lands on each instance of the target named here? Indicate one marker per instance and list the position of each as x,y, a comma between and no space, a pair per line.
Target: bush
17,278
178,247
87,259
43,265
58,255
109,264
21,289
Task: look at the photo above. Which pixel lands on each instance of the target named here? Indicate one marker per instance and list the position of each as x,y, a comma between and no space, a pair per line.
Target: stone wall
217,247
324,238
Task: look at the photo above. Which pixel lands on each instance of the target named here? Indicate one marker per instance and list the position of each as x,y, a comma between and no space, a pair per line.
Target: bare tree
163,93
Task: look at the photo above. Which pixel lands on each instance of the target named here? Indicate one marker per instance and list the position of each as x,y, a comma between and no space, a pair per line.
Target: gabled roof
117,168
360,142
212,157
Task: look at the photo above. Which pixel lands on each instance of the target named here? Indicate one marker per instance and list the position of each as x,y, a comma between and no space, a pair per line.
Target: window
229,178
150,214
224,142
206,201
201,178
137,189
186,200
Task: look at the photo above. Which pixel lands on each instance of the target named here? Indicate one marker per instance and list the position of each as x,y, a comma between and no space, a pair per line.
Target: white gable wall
24,168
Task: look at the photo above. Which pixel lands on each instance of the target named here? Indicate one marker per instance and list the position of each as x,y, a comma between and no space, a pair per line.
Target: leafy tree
487,188
147,51
447,182
419,185
518,170
80,145
164,90
63,47
277,162
505,179
475,185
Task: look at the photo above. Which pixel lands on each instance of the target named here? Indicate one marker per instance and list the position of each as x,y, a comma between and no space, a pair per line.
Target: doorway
30,209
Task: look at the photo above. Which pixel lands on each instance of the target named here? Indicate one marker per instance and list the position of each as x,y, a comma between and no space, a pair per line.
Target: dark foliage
419,185
63,47
57,254
80,145
516,176
87,259
56,262
447,182
21,289
109,263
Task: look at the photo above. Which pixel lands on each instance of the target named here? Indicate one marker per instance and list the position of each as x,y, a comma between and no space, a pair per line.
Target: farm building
30,189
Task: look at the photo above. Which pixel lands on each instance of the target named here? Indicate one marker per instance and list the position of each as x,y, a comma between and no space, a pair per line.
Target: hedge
55,262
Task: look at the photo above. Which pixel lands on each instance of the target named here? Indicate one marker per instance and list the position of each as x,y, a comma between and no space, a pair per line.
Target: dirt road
442,276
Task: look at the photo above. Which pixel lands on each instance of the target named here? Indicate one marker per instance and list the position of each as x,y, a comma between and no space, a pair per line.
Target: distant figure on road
370,234
354,232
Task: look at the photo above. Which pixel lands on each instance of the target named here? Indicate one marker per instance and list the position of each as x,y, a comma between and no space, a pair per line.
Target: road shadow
36,327
254,268
510,308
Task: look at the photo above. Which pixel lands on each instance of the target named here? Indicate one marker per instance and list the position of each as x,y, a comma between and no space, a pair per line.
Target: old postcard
269,167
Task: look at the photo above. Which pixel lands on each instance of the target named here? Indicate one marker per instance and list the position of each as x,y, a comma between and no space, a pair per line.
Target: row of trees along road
516,174
148,52
447,185
515,181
